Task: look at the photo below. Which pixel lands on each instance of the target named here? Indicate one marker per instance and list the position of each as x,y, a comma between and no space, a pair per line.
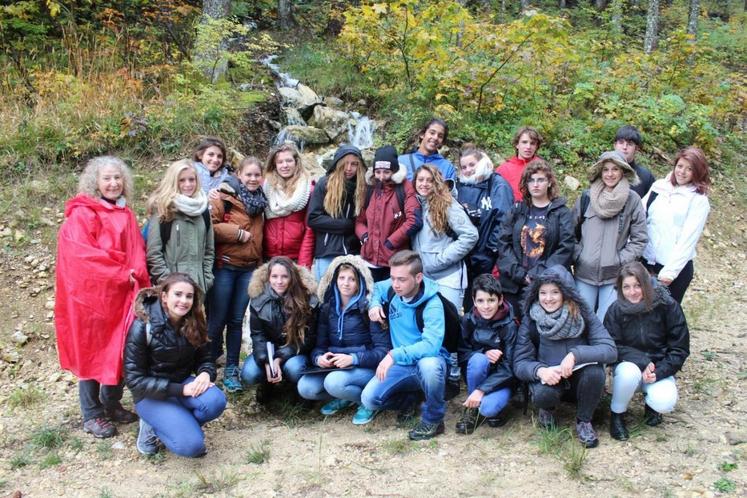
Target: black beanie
343,151
386,158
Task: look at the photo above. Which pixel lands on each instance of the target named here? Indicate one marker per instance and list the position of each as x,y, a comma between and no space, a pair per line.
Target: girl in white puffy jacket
677,211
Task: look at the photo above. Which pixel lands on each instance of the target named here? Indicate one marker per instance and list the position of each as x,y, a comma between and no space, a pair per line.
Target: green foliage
50,460
725,485
20,460
561,444
727,466
48,437
258,453
25,397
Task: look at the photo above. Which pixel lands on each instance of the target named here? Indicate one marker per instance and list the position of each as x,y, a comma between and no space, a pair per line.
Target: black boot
617,426
471,420
652,417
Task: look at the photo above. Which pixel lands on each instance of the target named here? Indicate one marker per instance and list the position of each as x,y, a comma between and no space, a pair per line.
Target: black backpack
452,320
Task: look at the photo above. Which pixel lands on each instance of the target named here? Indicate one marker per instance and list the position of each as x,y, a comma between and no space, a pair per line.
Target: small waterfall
361,134
285,79
286,136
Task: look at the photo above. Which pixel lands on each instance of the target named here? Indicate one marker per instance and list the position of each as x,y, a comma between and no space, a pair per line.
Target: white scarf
279,204
191,206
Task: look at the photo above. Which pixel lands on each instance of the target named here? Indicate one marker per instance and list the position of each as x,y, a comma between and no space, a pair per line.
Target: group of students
347,313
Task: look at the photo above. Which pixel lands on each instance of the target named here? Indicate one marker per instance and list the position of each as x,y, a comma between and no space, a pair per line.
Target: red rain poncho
97,246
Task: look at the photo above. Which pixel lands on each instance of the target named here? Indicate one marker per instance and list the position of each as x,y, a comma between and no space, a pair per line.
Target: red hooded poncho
97,246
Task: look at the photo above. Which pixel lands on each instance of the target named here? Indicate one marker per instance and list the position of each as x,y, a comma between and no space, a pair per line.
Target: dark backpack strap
411,158
165,229
369,194
651,198
585,200
206,218
399,189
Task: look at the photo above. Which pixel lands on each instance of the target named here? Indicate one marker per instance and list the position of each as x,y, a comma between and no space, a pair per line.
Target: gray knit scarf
607,204
557,325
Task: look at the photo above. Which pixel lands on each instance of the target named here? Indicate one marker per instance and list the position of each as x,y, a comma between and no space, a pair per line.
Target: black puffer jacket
480,335
156,370
534,351
267,317
333,236
559,244
660,335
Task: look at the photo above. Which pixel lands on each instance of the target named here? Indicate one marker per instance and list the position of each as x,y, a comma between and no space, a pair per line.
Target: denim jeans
478,368
320,267
402,384
95,398
660,395
177,421
597,297
293,368
584,387
341,384
228,301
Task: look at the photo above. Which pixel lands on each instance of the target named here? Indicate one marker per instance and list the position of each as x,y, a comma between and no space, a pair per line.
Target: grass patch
104,450
398,446
727,466
105,493
50,460
76,444
20,460
561,444
24,397
725,485
258,453
48,437
207,485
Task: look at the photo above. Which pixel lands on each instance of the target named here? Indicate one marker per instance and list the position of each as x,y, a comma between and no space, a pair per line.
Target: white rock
571,182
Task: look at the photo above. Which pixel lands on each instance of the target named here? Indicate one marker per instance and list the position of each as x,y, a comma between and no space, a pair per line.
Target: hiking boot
335,406
363,415
424,430
546,419
497,421
231,380
586,434
471,420
147,441
99,427
652,417
618,430
120,415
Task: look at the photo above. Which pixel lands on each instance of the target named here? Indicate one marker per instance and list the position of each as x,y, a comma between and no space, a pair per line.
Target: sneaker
120,415
231,380
99,427
147,441
471,420
363,415
424,430
652,417
586,434
618,430
547,419
335,406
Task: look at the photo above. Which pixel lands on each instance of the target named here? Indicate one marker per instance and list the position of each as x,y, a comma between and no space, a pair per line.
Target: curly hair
295,302
701,176
277,181
439,199
88,181
162,200
538,166
335,197
194,324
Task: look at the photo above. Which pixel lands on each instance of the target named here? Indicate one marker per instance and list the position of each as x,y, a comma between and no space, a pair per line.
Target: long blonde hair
439,199
162,200
278,182
334,199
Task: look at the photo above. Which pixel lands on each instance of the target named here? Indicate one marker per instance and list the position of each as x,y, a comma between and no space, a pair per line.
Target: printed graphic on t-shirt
533,237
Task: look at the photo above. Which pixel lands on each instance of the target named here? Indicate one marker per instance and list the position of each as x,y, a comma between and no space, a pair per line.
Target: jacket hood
148,307
95,203
429,288
483,169
261,277
559,276
230,185
397,177
364,274
664,186
613,156
342,151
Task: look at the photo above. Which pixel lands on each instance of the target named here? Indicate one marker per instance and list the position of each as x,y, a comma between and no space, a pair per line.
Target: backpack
651,198
399,189
165,227
482,258
452,320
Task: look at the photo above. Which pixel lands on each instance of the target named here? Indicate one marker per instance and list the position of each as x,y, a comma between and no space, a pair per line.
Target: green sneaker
424,430
335,406
363,415
231,380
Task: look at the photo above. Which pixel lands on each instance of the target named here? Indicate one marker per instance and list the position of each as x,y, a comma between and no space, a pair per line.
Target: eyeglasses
537,181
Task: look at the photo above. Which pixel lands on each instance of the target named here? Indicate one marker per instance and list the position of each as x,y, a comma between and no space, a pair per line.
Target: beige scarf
608,204
279,204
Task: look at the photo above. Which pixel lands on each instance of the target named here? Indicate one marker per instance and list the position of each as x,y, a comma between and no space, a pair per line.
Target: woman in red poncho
100,268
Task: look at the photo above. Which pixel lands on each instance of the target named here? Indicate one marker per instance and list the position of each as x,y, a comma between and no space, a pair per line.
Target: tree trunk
562,4
617,15
285,14
217,9
692,20
217,68
652,27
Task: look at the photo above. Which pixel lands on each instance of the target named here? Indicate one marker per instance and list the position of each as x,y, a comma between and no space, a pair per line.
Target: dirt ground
700,450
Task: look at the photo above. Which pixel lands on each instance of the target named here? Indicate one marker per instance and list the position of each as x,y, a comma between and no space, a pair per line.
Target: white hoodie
676,220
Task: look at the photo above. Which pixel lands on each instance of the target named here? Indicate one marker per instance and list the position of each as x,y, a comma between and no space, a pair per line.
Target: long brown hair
697,159
194,325
637,270
334,199
287,186
295,302
439,199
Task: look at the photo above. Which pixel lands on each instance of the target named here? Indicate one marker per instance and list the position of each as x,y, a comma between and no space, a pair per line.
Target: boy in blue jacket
417,361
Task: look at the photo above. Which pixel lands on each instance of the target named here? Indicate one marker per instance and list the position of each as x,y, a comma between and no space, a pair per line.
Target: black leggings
584,387
680,284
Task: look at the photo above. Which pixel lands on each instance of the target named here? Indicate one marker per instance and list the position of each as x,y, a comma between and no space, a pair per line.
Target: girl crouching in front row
166,345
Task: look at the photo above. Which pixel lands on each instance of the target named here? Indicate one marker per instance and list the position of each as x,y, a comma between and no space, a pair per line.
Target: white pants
661,395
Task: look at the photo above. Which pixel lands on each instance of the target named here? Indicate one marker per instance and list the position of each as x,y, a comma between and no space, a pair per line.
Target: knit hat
342,151
386,158
614,157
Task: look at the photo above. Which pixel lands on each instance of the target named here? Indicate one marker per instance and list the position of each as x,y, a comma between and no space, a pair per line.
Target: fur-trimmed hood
328,277
397,177
148,308
561,277
483,169
613,156
261,277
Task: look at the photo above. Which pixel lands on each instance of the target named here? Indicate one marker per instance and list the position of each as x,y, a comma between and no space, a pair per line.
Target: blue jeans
401,386
320,267
341,384
177,421
228,301
293,368
478,368
597,297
